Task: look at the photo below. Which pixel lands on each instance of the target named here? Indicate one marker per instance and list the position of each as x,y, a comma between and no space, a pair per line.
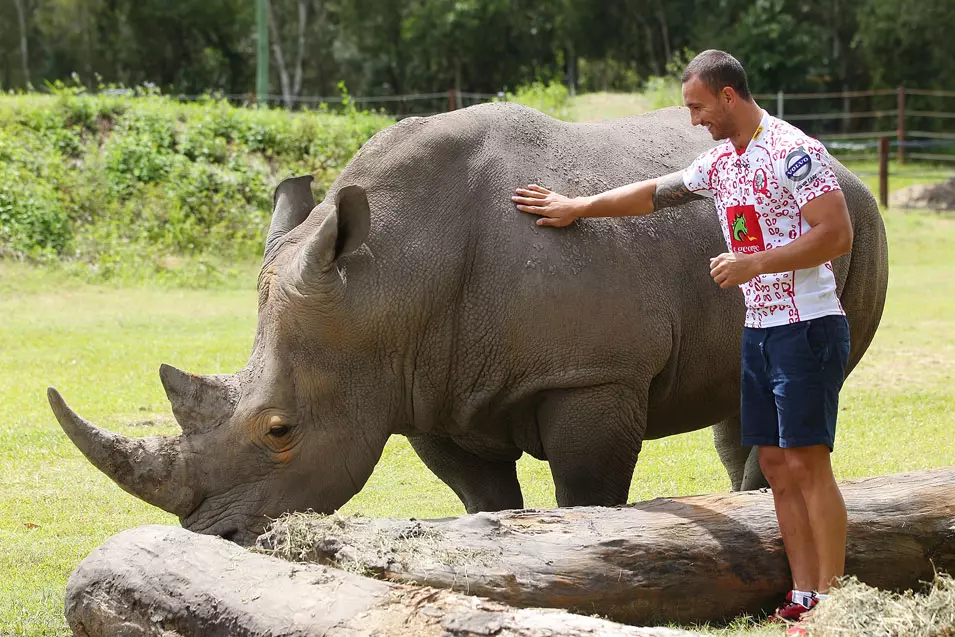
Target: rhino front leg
482,485
591,438
741,463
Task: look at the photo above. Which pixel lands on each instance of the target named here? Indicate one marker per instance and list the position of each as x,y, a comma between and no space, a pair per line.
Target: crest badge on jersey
745,233
798,165
759,182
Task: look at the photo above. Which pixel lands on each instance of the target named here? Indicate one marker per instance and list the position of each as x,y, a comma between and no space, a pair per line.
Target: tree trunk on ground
694,559
163,581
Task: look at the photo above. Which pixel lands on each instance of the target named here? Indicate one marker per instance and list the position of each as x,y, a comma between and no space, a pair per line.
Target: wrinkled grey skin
416,300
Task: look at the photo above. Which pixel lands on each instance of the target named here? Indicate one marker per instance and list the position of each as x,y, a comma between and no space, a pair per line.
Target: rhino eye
277,431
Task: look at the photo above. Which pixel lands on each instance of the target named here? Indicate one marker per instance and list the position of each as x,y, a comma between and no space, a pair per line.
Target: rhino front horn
151,469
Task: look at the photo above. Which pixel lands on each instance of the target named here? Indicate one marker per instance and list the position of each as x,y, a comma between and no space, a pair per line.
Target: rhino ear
342,232
291,204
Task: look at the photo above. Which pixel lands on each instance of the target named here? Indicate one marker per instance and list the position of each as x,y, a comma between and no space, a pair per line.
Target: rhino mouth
233,514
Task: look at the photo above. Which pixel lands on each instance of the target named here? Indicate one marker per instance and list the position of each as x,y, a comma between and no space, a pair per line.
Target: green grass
606,105
901,176
102,346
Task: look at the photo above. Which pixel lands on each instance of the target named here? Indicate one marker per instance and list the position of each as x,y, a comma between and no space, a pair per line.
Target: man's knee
809,465
772,461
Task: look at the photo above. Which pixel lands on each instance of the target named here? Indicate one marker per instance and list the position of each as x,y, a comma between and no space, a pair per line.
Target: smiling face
714,111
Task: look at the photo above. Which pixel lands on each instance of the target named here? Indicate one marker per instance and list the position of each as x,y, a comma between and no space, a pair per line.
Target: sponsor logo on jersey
745,232
798,165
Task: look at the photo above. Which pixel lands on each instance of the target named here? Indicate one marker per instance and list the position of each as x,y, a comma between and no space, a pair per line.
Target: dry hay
858,609
356,544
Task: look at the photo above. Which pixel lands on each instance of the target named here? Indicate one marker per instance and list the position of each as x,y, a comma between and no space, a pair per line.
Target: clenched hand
731,268
555,209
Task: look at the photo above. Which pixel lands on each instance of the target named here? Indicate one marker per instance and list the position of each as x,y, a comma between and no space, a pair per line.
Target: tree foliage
406,46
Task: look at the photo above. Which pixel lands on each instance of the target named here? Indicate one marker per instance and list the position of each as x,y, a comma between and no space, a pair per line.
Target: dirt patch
940,196
900,369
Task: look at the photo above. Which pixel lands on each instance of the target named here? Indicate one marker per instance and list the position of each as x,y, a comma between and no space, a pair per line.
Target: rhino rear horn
291,204
199,403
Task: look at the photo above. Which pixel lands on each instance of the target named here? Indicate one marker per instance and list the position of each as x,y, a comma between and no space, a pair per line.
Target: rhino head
281,434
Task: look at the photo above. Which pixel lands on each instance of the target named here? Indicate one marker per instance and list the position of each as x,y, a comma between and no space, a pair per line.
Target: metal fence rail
818,122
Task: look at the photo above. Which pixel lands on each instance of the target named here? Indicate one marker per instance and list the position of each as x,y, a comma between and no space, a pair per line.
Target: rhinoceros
416,300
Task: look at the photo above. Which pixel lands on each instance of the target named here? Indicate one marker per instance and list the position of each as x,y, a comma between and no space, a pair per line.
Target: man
784,219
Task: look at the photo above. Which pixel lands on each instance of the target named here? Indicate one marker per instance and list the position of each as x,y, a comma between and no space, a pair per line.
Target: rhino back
862,276
500,311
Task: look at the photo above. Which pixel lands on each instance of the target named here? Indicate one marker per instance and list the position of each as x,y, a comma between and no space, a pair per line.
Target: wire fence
919,124
406,105
865,128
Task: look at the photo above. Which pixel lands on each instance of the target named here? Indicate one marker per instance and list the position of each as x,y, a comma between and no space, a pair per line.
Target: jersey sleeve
806,171
697,177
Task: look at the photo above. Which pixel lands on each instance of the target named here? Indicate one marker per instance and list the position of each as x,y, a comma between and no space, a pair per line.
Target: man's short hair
717,69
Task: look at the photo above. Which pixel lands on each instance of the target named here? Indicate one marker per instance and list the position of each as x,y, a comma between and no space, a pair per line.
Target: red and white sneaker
791,611
797,630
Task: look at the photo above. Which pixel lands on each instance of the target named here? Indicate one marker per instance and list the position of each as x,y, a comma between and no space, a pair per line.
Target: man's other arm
829,236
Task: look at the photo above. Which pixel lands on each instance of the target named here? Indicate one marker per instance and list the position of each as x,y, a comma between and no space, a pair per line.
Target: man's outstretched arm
640,198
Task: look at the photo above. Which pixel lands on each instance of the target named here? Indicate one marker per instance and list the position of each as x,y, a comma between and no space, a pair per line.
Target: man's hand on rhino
554,209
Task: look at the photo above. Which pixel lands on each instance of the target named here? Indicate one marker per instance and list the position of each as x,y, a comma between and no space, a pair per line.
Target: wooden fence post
901,129
780,112
452,99
884,172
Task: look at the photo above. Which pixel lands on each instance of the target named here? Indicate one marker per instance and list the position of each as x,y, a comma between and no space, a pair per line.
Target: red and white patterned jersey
758,195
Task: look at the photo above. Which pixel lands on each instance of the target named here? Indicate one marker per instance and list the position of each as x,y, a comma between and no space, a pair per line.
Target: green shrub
551,98
667,90
123,187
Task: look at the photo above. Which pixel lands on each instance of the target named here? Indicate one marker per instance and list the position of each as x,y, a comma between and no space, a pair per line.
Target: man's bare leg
793,517
811,469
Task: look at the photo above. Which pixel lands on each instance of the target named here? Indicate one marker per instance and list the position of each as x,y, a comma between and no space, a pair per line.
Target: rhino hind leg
481,485
591,438
741,463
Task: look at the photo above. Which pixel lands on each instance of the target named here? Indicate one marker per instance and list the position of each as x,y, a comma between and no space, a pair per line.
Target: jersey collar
758,134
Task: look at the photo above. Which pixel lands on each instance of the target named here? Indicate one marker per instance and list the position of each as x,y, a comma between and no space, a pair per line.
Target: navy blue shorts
792,375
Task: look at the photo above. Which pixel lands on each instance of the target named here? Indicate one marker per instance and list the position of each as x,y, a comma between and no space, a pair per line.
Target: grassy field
102,347
597,106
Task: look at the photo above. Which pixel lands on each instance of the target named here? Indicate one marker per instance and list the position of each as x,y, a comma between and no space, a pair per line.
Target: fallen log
169,582
685,560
